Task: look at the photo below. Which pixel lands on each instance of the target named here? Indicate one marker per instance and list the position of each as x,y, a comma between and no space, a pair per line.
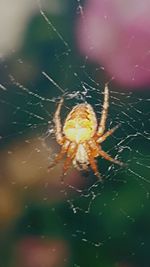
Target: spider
81,136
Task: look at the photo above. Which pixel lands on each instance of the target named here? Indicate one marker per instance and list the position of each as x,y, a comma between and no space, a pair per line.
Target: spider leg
92,161
108,133
93,164
70,156
108,157
58,125
60,155
102,123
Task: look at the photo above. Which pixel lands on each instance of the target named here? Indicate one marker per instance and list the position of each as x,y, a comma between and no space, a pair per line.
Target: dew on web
99,217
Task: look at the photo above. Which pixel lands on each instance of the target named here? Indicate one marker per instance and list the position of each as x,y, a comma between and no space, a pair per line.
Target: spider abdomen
80,124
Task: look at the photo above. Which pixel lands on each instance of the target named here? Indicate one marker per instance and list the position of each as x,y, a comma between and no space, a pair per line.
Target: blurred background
80,45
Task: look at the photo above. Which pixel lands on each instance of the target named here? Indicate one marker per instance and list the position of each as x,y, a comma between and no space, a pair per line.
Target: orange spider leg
70,156
108,133
92,161
102,123
58,126
108,157
60,155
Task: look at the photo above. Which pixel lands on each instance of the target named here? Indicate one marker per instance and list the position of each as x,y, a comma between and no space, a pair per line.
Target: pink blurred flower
116,34
35,252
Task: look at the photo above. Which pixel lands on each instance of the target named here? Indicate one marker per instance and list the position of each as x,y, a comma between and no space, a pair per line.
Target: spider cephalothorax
80,137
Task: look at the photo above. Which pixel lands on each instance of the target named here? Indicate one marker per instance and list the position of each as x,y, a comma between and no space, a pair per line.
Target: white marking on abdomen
81,155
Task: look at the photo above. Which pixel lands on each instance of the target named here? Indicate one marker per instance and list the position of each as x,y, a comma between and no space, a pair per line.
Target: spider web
95,215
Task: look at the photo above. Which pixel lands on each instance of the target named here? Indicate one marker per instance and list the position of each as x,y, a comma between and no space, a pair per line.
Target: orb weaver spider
81,136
